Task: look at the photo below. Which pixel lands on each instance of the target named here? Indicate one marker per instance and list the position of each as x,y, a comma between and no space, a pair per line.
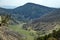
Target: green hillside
18,28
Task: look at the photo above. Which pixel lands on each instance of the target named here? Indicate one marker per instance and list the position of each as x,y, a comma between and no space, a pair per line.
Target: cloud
12,2
49,3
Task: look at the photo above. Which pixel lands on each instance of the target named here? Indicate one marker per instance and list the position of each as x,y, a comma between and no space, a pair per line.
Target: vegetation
33,35
52,36
4,19
33,27
5,32
18,28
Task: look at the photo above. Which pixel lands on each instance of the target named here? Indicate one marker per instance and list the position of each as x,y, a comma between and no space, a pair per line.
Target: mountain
27,12
51,17
46,22
32,11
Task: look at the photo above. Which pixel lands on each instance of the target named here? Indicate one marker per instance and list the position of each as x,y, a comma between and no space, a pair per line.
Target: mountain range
36,16
39,21
27,12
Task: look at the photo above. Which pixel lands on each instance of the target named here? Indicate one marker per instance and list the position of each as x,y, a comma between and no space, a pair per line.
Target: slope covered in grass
18,28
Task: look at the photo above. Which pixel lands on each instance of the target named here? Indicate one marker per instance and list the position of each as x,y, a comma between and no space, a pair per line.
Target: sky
16,3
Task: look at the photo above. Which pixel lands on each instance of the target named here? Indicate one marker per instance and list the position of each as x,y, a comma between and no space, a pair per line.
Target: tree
54,33
5,19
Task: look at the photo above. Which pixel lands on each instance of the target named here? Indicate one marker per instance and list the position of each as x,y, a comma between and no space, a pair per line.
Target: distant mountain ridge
53,16
27,12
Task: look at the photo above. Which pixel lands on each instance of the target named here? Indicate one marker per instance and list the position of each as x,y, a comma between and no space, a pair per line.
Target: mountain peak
29,3
35,5
32,4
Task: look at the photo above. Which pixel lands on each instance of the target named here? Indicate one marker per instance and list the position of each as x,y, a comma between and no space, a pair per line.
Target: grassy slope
18,28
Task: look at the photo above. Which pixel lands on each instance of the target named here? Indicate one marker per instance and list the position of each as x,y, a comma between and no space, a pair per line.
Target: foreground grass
18,28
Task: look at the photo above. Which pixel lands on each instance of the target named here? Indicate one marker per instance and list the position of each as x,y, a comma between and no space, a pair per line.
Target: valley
30,22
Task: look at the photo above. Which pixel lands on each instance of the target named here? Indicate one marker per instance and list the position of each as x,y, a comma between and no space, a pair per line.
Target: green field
18,28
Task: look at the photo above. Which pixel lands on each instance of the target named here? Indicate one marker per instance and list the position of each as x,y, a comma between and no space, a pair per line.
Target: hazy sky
16,3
